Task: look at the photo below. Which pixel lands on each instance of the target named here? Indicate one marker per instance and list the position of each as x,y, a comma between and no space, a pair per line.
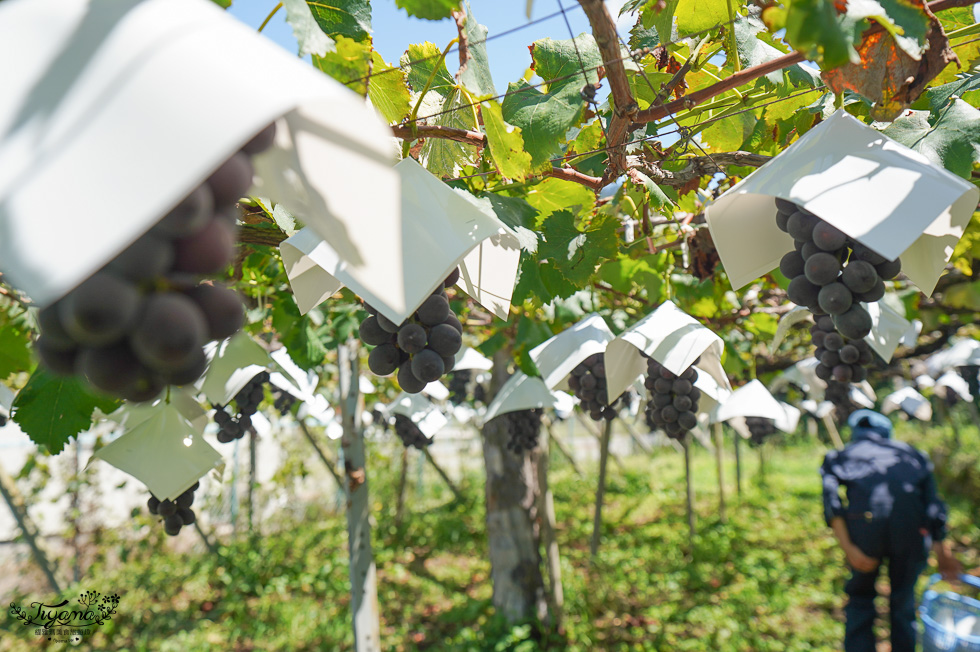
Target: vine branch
625,108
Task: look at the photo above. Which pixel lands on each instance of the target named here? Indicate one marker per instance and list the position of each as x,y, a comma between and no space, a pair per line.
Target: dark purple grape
101,310
190,215
170,333
232,180
208,251
222,309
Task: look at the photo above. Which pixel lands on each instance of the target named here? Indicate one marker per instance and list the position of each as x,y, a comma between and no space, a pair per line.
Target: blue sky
394,30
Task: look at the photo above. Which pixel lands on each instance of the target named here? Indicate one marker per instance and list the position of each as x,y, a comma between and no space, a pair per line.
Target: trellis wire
546,82
657,135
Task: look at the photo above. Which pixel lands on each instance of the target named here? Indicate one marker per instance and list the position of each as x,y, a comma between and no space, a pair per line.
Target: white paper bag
750,400
164,452
233,362
962,352
556,357
909,401
671,337
468,358
883,194
438,229
790,418
953,382
803,375
421,411
520,392
6,399
113,110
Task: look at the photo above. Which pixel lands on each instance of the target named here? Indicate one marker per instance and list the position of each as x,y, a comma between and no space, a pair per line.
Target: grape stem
272,13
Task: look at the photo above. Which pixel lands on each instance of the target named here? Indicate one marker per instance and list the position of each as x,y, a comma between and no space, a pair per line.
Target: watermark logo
66,623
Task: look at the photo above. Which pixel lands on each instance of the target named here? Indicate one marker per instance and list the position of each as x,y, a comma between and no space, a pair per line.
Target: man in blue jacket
892,512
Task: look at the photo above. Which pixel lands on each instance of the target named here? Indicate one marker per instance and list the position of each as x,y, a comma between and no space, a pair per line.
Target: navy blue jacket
887,481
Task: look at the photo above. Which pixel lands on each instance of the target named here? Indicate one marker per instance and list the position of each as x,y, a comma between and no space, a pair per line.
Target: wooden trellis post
720,462
601,490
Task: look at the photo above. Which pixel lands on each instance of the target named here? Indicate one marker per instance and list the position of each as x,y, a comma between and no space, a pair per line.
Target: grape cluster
422,348
459,383
588,381
970,372
760,428
176,513
831,273
140,322
674,399
3,420
409,433
841,359
282,401
523,427
247,401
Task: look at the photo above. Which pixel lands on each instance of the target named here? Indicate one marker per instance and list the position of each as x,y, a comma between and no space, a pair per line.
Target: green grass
769,579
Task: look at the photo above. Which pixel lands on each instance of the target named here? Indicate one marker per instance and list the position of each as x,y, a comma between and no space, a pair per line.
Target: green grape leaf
350,18
350,61
625,274
224,4
755,49
518,215
661,18
428,9
939,96
53,409
950,139
555,282
576,253
643,37
553,194
506,144
308,33
388,90
444,157
529,285
15,350
475,76
656,196
545,118
425,60
306,347
812,27
700,15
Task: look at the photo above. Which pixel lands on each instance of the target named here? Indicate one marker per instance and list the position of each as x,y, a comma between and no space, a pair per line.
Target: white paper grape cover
233,362
750,400
6,399
163,452
883,194
962,352
790,418
671,337
469,358
438,229
557,356
520,392
113,110
909,401
422,412
953,382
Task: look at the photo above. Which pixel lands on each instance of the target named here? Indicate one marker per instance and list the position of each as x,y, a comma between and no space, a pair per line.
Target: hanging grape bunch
282,401
247,400
3,420
459,382
588,382
139,323
760,428
176,513
523,427
422,348
409,433
970,373
832,275
674,400
841,360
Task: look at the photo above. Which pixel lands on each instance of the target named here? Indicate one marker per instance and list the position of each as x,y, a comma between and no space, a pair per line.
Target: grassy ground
769,579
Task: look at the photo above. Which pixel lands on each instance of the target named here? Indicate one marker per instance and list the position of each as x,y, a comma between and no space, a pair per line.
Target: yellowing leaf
505,142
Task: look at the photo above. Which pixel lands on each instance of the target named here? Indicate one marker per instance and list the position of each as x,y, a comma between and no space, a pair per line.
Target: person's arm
832,505
949,566
936,515
857,559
